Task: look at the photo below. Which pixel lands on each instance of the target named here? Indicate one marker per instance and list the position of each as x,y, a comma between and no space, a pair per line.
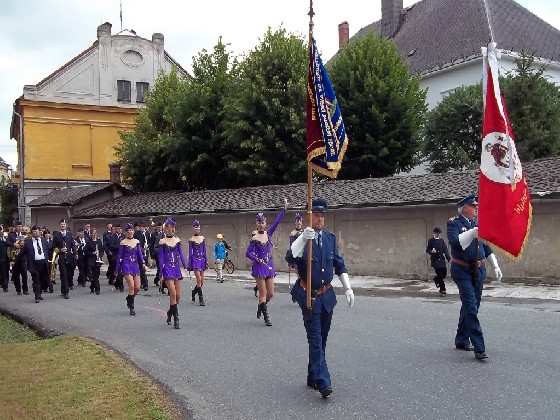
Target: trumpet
53,262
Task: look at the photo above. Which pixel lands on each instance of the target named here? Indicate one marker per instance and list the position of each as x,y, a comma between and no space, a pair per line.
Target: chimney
158,41
115,173
104,30
391,17
343,34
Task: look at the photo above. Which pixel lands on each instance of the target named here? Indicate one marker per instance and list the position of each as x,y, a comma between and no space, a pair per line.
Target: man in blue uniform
325,262
468,272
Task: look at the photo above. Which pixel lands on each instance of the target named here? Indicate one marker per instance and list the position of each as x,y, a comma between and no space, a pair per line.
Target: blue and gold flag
326,138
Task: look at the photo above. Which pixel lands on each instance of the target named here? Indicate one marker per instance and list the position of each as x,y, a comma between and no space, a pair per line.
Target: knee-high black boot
259,311
264,311
131,307
128,301
194,292
200,297
256,289
176,317
169,313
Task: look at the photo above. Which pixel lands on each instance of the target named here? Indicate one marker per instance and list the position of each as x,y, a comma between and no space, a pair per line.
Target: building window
141,91
123,90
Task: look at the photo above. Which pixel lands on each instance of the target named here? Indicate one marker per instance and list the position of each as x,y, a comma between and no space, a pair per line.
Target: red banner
504,204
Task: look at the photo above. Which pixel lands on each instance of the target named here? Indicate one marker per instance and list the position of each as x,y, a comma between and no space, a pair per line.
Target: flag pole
309,307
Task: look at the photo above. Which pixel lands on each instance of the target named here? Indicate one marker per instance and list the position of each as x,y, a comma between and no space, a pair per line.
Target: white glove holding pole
299,244
348,292
494,263
467,237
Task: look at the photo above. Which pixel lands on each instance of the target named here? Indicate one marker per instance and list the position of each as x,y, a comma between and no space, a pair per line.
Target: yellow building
67,125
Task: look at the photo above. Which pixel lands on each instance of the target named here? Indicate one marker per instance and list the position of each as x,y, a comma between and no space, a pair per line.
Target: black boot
176,318
169,313
128,301
264,311
256,289
194,292
259,311
131,307
200,297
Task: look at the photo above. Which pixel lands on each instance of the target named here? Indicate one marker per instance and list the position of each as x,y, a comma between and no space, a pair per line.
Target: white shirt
38,256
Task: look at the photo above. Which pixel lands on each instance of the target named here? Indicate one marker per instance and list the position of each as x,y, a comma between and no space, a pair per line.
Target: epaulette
453,218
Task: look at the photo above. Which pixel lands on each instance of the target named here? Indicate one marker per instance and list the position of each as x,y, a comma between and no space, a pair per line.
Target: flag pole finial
311,14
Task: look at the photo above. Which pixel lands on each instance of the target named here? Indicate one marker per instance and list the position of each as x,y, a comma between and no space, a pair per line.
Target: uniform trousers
317,329
469,326
66,275
441,273
39,276
20,270
95,272
4,273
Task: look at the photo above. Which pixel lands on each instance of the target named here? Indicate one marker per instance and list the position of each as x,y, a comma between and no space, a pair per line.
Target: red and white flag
504,206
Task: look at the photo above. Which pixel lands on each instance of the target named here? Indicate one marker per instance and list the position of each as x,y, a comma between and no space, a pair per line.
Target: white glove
494,264
347,289
299,244
467,237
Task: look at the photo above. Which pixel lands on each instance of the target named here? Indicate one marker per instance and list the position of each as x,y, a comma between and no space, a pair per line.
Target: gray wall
383,241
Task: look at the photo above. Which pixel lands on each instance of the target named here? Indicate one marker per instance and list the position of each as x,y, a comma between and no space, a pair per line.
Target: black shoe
169,317
146,288
176,323
26,293
45,290
111,282
442,292
51,291
83,285
66,296
480,355
91,290
71,287
5,290
37,300
325,392
201,301
19,293
463,347
41,298
311,384
221,280
98,292
132,312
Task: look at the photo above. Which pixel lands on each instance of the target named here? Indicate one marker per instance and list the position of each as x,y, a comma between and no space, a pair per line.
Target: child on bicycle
219,256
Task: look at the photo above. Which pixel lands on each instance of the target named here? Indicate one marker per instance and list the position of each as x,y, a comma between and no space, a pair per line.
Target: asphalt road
389,357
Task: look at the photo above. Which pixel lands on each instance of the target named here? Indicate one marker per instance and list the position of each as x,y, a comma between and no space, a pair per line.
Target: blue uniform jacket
455,226
438,259
324,264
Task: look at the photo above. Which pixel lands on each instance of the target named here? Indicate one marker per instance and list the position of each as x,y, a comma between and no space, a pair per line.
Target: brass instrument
53,263
13,252
98,260
152,223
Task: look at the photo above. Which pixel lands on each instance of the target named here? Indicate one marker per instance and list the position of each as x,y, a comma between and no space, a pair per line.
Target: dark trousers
66,275
4,274
95,271
119,282
39,277
20,270
317,329
156,278
82,270
441,273
112,260
143,276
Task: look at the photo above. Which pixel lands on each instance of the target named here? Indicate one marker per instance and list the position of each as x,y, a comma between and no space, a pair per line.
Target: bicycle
228,266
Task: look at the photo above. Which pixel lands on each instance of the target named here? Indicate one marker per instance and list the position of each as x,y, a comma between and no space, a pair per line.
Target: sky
39,36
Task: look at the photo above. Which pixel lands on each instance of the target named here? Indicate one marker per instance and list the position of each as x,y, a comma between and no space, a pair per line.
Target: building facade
68,124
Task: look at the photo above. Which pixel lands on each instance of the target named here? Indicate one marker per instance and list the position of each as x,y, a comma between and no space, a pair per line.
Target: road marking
157,311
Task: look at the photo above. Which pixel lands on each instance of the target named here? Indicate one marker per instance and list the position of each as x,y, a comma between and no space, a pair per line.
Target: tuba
53,263
13,252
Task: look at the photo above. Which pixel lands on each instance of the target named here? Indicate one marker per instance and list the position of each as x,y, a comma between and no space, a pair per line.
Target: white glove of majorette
348,292
494,264
299,244
467,237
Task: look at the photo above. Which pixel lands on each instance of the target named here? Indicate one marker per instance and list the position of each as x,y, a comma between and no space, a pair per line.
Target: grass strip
70,377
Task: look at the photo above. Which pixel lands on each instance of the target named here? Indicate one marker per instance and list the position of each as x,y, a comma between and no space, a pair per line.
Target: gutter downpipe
22,206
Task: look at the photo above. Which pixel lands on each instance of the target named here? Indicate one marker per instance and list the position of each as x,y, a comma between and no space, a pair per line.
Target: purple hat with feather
128,226
170,221
298,217
195,224
261,218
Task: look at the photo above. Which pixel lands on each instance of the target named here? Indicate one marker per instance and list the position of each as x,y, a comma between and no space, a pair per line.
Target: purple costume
169,258
197,256
259,251
127,261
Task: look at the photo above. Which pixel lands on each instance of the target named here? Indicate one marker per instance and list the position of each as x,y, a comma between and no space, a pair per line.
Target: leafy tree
148,164
8,204
265,128
454,127
382,106
452,134
533,104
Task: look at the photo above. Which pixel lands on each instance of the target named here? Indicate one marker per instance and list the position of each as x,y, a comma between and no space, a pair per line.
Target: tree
533,104
8,204
265,111
452,134
382,106
454,127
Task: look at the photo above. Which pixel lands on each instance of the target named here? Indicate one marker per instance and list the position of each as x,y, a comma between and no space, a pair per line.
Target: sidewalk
378,286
